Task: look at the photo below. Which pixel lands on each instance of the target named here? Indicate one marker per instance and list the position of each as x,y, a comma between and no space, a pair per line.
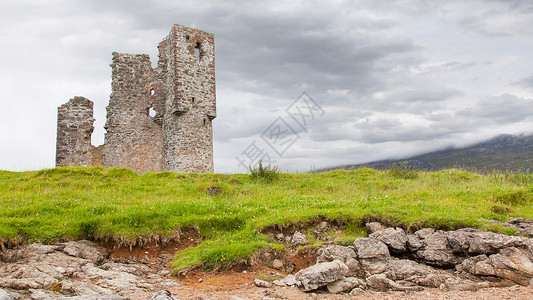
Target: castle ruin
157,119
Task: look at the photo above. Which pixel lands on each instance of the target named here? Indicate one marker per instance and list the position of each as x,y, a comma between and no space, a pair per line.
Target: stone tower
161,119
74,129
187,72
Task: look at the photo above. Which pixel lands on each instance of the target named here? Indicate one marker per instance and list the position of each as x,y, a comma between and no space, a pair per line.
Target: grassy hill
505,152
120,207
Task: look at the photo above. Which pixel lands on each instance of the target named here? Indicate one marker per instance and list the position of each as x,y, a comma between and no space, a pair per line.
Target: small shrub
500,209
269,277
516,197
509,230
266,173
520,177
88,228
403,171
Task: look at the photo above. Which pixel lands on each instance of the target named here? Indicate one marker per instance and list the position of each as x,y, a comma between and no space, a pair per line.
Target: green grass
119,206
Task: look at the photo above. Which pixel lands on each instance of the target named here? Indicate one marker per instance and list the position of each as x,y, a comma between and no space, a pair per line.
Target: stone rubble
391,260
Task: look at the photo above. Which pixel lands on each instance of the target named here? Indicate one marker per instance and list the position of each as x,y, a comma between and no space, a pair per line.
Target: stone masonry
157,119
74,129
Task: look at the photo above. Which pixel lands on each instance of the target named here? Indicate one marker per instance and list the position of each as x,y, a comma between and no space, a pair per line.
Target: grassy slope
117,204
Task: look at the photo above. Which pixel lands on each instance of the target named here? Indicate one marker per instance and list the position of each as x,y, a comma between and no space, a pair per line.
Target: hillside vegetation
120,207
504,152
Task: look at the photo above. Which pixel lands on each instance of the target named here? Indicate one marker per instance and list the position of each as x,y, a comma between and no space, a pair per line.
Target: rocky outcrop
77,270
320,274
392,260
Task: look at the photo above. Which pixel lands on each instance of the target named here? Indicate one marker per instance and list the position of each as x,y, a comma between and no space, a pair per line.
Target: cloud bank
394,78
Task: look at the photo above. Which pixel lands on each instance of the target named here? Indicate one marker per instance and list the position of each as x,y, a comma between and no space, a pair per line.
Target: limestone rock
527,232
290,280
277,264
85,249
381,283
394,238
435,248
345,254
321,228
524,226
76,268
344,285
510,263
262,283
100,297
415,273
298,239
372,227
413,242
463,285
162,295
320,274
7,295
370,248
475,243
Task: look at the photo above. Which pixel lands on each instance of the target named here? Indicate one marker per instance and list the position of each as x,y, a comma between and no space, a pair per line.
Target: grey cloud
526,82
491,112
492,18
502,109
453,66
358,59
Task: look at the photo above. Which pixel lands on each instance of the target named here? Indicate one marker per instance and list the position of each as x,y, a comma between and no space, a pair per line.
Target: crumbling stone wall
74,129
161,119
133,139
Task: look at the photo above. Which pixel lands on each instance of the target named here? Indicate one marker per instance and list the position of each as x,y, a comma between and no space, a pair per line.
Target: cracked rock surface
76,270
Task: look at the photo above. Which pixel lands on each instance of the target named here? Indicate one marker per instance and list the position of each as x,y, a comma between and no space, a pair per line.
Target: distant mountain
504,152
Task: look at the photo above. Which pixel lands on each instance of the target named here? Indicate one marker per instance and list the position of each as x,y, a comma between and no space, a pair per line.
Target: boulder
413,242
371,248
420,274
277,264
394,238
290,280
100,297
373,256
510,263
320,274
321,228
472,242
345,254
298,239
380,283
345,284
162,295
372,227
262,283
7,295
435,249
85,249
462,285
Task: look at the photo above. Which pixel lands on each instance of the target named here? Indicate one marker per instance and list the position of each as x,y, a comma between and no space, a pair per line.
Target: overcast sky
389,78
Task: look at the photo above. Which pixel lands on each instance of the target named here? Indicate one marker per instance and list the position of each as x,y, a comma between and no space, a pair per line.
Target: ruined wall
159,119
133,137
189,55
74,129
